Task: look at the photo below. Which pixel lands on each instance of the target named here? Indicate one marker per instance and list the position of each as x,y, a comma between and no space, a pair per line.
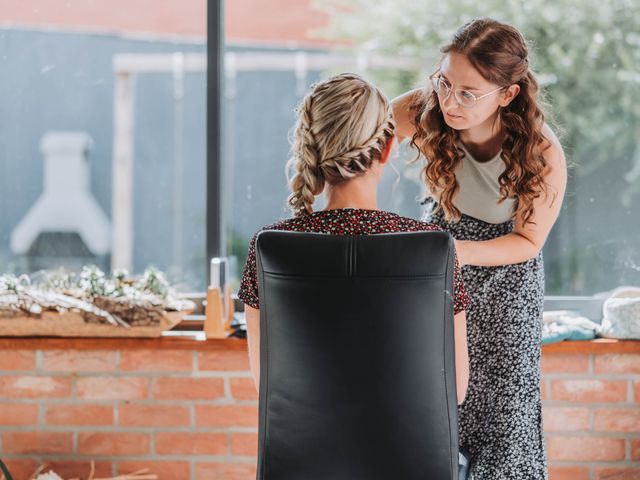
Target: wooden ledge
191,341
195,341
598,345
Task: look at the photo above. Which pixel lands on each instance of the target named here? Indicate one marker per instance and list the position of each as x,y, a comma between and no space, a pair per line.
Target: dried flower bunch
116,300
142,474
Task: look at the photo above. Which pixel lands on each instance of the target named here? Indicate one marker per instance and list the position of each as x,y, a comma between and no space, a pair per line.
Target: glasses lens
465,98
435,83
440,86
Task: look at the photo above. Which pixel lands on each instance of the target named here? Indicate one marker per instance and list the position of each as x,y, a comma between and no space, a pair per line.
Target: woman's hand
403,115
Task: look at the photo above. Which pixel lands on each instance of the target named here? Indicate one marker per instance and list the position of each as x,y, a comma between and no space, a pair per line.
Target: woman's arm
252,316
462,355
402,114
526,241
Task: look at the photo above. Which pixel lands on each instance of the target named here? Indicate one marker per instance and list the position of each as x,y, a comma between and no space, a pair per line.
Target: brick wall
591,410
271,22
188,410
185,413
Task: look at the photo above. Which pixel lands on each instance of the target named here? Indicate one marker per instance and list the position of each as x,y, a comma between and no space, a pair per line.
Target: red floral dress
345,221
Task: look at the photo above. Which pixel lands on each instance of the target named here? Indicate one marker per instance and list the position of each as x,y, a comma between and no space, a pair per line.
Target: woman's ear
509,94
386,151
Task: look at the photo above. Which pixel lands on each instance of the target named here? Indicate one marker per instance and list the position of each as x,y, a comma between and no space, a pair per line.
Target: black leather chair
357,377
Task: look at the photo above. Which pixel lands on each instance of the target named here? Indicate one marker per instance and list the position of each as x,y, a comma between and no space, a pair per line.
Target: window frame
215,57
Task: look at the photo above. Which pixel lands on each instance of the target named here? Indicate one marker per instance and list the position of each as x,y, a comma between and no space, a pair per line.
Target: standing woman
496,175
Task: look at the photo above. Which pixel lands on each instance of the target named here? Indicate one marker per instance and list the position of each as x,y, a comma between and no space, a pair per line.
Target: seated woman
342,141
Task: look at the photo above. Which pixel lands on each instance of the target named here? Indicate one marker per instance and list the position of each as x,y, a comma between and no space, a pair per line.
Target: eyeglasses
464,98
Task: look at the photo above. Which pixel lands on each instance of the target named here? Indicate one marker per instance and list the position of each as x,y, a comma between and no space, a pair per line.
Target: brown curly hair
500,54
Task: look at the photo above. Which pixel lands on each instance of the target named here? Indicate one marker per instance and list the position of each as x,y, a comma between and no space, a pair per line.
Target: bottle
213,326
214,321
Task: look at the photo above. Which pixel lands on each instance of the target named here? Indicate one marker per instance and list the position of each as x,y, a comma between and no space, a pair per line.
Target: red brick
112,388
635,450
565,363
243,389
22,468
37,442
18,414
79,469
543,390
244,444
231,360
562,419
624,473
176,470
34,387
226,416
143,415
112,443
78,361
171,388
18,360
156,360
225,471
617,363
284,23
568,473
585,449
178,443
636,391
79,414
263,25
188,19
617,420
589,391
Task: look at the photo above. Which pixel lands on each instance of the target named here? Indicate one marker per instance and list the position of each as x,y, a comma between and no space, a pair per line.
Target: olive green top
479,190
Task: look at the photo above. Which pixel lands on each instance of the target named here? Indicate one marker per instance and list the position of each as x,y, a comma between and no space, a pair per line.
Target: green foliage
11,283
237,246
154,281
93,281
586,53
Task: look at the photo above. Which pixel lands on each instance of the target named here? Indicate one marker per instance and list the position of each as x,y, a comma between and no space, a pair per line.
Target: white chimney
66,204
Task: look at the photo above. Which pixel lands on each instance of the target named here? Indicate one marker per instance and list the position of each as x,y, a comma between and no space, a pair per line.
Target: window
103,137
588,69
272,56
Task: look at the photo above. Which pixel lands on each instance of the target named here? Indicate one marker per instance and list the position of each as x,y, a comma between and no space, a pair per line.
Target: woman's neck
484,140
360,192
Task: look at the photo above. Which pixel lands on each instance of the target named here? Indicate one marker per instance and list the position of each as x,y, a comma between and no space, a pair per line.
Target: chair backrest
357,377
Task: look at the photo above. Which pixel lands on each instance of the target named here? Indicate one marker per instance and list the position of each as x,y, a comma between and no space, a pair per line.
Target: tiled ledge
599,345
190,341
195,341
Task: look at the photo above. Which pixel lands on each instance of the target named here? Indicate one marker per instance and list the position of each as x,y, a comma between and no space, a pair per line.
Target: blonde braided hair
343,126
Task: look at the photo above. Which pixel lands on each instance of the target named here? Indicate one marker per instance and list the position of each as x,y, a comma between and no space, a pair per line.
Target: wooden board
71,324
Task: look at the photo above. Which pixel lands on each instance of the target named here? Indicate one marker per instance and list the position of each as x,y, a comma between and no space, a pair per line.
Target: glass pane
268,70
104,160
588,73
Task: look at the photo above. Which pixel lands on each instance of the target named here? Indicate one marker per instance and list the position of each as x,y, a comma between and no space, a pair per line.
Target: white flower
50,475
